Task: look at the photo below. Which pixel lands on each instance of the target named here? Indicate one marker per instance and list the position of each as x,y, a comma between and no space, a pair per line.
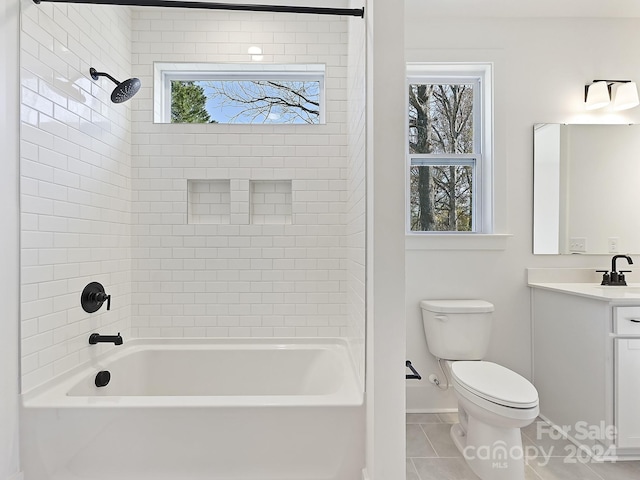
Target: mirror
586,192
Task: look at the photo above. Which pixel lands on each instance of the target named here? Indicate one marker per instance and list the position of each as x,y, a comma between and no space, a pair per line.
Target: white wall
240,278
75,183
540,69
385,396
9,241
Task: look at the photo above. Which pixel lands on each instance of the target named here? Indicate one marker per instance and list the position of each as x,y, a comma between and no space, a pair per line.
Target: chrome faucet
615,277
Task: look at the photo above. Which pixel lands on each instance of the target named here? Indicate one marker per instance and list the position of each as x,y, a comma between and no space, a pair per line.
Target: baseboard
16,476
365,475
432,410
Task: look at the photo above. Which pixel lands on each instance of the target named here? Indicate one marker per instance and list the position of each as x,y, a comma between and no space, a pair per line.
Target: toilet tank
457,329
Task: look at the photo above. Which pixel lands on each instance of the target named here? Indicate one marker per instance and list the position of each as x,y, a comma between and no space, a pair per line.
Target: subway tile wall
270,202
208,201
75,175
279,274
105,192
355,209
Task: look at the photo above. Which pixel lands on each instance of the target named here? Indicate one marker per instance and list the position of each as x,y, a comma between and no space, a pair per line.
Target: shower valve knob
93,296
102,297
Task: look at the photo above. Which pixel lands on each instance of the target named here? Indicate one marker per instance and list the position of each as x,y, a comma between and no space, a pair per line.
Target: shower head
123,91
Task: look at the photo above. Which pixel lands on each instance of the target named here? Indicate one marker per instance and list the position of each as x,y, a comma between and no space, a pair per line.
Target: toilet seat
495,384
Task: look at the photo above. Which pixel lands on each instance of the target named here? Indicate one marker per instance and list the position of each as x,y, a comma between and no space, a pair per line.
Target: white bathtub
271,409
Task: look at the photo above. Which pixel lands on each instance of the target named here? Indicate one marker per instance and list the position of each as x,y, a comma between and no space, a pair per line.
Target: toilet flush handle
442,318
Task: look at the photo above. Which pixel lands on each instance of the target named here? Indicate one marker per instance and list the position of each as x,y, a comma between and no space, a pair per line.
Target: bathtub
264,409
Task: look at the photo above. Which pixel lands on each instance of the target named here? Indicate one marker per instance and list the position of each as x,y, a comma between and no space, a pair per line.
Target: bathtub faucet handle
93,296
102,297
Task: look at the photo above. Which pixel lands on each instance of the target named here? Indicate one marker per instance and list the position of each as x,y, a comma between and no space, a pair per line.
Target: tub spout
97,338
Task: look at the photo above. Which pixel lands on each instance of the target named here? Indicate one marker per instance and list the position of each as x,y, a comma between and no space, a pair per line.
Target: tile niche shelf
270,202
209,201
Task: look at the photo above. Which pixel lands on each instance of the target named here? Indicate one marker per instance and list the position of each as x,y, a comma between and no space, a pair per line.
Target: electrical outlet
613,244
577,244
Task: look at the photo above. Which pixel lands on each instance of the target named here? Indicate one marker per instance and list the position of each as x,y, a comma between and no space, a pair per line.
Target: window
449,174
239,94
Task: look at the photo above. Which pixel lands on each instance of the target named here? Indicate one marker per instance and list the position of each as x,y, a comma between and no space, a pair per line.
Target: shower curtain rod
353,12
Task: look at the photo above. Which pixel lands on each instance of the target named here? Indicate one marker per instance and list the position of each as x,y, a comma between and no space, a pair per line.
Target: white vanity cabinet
627,416
627,376
586,366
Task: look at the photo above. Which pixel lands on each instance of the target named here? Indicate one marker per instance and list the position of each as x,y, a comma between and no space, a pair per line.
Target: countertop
619,294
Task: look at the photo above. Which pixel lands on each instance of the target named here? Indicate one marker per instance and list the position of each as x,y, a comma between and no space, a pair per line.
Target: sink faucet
616,257
617,277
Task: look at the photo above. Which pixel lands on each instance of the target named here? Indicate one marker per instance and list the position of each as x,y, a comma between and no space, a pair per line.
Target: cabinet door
627,416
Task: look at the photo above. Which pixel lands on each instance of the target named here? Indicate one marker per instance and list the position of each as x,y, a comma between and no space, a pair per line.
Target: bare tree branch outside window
441,122
266,101
262,101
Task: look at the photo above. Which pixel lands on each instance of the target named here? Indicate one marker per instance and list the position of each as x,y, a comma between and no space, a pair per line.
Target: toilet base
458,436
492,453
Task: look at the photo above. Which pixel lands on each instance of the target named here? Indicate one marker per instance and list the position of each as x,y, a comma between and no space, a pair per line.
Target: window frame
447,160
164,73
480,76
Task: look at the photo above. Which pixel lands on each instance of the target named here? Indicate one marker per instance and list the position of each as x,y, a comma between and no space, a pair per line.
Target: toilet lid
495,383
456,306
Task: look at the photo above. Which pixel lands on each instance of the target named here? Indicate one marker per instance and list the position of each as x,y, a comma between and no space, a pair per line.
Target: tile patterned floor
431,454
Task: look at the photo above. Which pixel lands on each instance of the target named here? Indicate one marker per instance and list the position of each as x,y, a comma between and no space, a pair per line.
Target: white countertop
608,293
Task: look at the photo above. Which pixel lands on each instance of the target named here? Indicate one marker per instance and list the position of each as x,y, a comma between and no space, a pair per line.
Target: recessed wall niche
270,202
208,201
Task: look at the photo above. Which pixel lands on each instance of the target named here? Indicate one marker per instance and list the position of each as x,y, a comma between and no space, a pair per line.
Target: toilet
494,403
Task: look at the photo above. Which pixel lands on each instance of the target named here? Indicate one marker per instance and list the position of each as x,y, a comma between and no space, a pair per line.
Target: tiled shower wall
75,183
251,275
356,191
285,257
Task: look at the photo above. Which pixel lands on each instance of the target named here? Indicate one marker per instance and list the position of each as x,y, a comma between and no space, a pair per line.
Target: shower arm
353,12
95,75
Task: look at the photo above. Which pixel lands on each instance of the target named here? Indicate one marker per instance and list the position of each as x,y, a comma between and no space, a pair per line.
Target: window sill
464,241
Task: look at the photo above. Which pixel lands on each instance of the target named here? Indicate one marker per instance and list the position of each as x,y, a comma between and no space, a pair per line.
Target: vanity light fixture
597,95
622,94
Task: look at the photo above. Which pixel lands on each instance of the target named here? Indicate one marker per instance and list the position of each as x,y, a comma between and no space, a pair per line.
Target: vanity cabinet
586,367
627,414
626,328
